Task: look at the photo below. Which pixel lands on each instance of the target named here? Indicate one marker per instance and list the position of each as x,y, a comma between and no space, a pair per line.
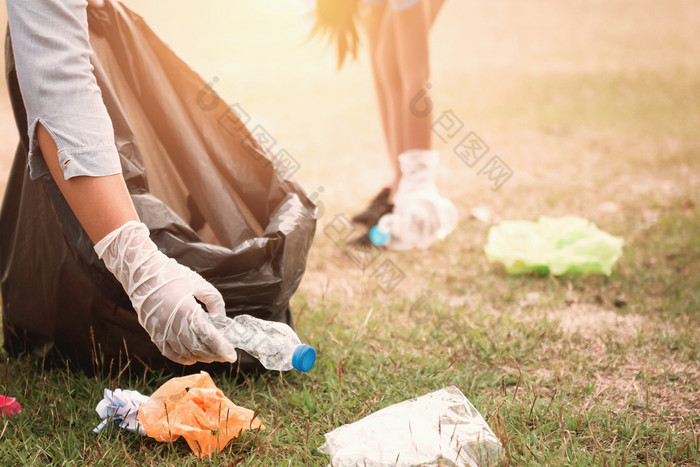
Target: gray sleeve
52,52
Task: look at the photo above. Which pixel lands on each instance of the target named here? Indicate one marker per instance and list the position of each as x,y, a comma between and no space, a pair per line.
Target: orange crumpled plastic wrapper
194,408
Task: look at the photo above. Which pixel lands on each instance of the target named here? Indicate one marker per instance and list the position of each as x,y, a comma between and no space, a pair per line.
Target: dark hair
337,19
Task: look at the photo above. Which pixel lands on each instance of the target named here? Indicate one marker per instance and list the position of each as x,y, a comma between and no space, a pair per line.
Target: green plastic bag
567,245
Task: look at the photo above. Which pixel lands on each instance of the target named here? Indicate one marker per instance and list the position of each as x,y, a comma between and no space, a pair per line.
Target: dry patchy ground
594,106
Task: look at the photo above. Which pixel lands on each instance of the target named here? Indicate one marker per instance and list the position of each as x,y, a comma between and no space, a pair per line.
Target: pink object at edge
9,406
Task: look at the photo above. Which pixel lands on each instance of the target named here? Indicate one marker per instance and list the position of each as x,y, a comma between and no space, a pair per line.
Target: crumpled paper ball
122,407
194,408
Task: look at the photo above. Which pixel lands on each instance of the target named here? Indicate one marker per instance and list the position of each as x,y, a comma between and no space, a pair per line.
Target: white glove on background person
163,294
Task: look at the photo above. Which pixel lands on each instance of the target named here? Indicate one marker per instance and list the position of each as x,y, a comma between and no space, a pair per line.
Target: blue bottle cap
378,236
304,358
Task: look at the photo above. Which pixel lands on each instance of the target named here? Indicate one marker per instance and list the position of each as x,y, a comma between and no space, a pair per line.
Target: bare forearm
101,204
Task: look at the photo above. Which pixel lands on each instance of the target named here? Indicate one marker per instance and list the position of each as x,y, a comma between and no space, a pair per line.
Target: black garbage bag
189,163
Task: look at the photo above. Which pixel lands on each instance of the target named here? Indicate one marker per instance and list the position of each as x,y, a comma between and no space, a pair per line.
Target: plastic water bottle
274,344
394,231
421,215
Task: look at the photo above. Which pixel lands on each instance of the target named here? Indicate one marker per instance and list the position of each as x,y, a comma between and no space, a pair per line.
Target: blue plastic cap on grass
378,236
304,358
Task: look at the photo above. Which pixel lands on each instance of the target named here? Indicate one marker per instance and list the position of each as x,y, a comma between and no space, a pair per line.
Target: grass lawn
595,106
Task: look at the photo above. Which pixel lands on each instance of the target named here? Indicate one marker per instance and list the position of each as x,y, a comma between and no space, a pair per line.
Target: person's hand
163,294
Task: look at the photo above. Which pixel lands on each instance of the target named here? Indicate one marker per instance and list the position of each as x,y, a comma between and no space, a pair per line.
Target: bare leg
388,73
392,77
386,80
411,27
101,204
434,8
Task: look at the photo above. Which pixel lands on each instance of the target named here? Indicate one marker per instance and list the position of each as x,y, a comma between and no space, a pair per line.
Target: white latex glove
163,294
